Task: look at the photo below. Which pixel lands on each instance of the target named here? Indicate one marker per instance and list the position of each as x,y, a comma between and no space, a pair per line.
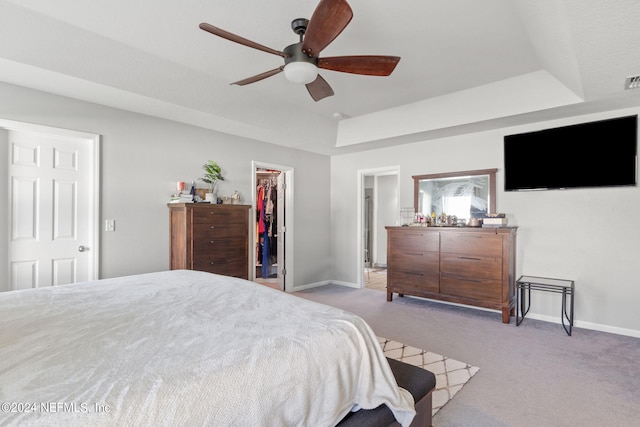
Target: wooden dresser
209,237
474,266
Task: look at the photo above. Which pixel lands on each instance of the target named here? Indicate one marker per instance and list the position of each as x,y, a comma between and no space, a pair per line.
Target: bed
186,348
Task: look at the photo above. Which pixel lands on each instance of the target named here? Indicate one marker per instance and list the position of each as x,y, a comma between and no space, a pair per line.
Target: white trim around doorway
361,174
94,214
285,281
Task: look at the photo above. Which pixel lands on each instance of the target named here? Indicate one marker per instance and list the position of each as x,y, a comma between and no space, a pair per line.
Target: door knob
82,248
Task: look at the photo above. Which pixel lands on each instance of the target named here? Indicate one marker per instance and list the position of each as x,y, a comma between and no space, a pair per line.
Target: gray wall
143,157
4,212
588,235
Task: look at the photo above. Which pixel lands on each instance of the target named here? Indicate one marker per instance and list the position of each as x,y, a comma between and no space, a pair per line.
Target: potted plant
213,174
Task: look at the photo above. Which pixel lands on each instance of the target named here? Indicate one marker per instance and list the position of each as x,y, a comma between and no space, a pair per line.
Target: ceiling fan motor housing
297,55
299,68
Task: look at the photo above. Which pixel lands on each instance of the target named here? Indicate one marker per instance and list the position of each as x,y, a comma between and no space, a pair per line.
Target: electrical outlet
110,225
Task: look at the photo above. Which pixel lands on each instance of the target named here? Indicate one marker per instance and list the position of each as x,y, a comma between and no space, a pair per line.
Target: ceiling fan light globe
300,72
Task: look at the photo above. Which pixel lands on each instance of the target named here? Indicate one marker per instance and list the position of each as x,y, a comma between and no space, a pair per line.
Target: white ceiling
150,56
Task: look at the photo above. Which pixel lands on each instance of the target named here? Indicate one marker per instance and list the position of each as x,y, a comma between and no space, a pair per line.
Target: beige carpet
451,375
530,375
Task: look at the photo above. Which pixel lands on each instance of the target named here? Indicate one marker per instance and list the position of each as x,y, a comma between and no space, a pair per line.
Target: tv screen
594,154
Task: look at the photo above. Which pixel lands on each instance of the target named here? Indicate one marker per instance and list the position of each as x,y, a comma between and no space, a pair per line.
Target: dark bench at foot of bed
419,382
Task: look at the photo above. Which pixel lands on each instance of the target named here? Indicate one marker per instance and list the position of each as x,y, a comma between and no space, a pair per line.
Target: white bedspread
185,348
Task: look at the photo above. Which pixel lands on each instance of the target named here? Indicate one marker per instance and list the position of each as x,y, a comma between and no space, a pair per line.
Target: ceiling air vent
632,82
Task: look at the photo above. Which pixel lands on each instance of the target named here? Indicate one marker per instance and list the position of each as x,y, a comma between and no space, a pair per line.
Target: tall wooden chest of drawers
209,237
474,266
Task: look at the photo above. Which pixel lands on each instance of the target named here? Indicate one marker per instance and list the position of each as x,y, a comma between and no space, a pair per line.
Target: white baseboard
311,285
587,325
545,318
346,284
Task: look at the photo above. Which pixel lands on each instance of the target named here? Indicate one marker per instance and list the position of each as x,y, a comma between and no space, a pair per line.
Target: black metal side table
525,284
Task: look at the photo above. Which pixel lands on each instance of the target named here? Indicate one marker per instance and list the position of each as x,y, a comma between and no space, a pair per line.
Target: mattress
186,348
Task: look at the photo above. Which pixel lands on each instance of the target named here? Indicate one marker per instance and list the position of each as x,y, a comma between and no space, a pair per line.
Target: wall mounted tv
594,154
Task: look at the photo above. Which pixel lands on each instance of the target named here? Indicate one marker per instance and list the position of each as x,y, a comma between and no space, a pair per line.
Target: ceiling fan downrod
299,26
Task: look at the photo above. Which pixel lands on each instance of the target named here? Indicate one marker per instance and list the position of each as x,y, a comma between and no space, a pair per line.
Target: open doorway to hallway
379,207
375,278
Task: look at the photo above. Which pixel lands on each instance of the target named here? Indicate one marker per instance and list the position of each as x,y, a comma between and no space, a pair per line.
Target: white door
282,229
52,209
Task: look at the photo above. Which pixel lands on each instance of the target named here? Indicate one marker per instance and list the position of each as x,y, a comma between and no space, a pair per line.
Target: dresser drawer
230,266
480,289
219,247
415,270
414,259
472,243
412,280
475,267
210,230
217,215
414,240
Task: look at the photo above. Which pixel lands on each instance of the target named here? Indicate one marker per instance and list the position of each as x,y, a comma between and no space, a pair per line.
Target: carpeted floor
531,375
451,375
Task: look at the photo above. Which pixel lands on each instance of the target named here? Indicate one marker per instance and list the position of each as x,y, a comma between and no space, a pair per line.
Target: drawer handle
471,258
413,273
462,279
415,253
212,242
224,261
213,226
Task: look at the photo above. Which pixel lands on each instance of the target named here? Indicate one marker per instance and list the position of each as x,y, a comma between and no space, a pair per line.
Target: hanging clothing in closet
260,208
266,208
271,211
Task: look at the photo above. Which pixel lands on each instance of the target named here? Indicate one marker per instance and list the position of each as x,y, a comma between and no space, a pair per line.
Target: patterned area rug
451,375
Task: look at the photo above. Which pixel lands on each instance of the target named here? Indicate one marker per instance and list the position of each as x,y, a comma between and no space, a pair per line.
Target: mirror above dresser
465,194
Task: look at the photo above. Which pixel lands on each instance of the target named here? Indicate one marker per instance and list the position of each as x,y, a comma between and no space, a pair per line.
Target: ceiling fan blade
319,89
241,40
259,77
365,64
326,23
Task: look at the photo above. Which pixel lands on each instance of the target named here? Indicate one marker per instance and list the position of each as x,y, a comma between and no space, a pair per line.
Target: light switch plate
110,225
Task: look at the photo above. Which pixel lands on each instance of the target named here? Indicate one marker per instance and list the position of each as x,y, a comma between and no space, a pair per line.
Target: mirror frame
492,184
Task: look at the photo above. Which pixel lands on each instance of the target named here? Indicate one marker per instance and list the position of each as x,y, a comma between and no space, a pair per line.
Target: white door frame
388,170
284,280
94,197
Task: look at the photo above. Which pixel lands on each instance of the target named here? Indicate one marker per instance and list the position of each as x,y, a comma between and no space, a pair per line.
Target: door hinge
284,271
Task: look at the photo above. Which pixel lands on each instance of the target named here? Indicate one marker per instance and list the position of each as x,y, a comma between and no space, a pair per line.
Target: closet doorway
378,202
271,233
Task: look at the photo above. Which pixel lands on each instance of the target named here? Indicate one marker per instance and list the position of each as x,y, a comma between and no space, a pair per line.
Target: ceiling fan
301,60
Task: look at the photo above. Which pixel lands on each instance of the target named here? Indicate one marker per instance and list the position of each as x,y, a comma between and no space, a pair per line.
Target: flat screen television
594,154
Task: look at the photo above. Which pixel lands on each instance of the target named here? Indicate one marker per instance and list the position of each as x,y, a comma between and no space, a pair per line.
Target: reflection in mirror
468,194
